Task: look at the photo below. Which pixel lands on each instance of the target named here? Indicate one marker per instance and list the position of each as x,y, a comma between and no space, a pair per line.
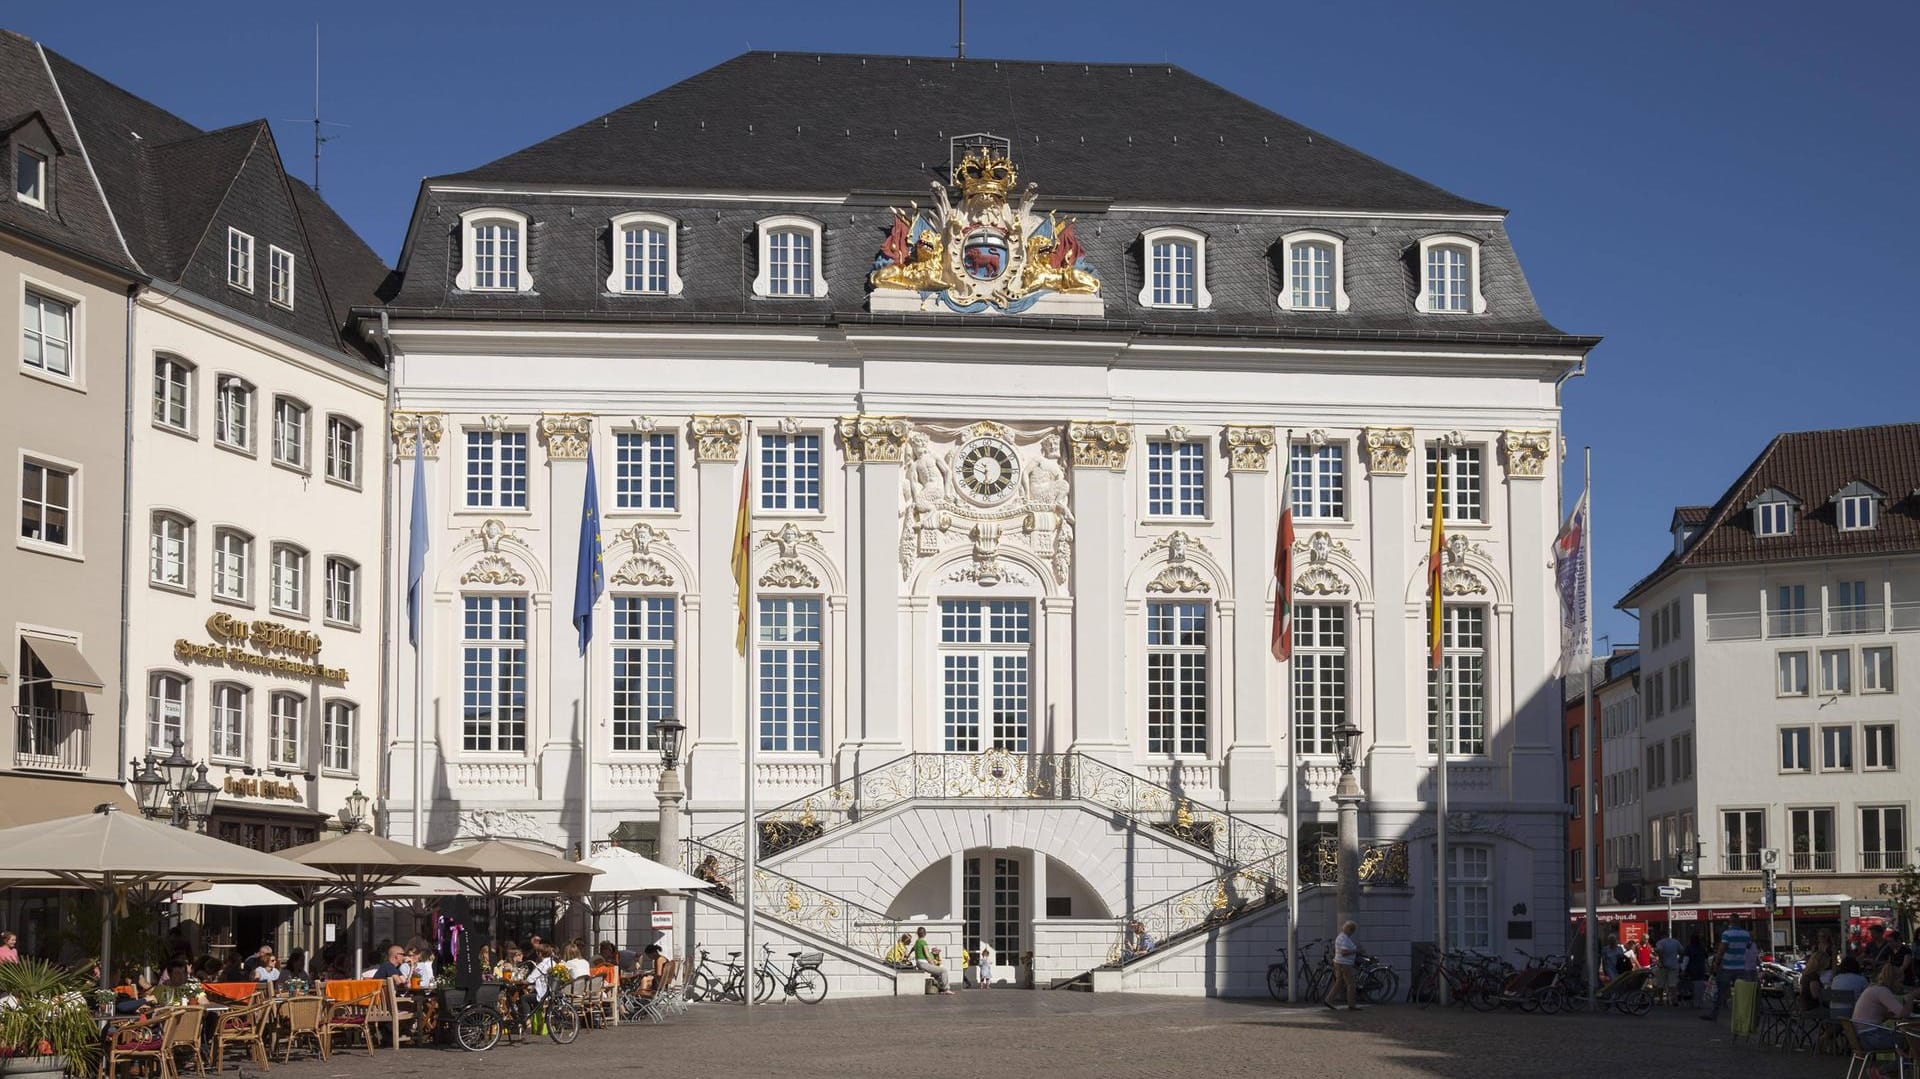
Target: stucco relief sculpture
1387,450
717,438
566,434
1527,453
873,438
984,484
1248,448
406,427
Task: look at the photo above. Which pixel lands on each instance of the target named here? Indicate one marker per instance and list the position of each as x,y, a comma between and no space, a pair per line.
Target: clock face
987,471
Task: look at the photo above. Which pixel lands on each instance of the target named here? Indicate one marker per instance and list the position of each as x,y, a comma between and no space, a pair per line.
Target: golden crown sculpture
983,173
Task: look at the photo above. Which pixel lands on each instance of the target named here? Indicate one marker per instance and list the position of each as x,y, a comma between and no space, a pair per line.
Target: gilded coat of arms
985,252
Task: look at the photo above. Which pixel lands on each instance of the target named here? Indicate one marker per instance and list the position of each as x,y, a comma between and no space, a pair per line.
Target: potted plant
46,1024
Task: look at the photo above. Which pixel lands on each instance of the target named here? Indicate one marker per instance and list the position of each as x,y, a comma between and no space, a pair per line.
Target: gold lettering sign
188,652
266,636
248,787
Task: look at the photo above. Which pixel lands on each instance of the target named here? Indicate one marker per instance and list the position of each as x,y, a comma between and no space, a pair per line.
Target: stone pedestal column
715,764
876,444
1399,704
1253,778
669,794
1347,897
1099,585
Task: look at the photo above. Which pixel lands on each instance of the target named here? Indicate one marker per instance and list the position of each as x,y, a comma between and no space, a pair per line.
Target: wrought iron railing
51,739
1382,862
1237,892
796,903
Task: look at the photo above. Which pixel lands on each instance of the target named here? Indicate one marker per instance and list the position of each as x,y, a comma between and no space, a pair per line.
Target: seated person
709,871
901,954
1139,941
234,971
419,964
652,964
1879,1003
390,968
927,960
576,964
268,971
606,961
543,964
1845,989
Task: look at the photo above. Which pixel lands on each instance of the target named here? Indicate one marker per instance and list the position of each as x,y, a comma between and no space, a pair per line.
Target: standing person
9,948
1612,958
1345,955
1667,973
983,959
1642,954
1735,960
924,960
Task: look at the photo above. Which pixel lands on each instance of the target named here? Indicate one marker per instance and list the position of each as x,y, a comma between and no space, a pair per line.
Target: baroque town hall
1020,360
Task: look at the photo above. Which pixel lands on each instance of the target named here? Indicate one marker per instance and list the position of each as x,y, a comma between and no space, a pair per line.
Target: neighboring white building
1777,658
1617,700
1016,469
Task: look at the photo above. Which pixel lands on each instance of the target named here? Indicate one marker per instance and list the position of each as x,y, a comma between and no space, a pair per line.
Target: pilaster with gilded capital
1388,449
405,427
567,435
717,438
866,438
1100,443
1248,448
1527,453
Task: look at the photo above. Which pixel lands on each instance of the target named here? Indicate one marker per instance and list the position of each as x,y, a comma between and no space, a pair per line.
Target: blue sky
1724,190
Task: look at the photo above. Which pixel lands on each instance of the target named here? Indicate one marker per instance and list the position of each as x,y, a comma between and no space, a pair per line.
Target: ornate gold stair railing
796,903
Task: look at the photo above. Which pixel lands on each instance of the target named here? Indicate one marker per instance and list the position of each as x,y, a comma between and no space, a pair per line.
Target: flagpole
750,846
1438,657
1293,777
1585,650
416,622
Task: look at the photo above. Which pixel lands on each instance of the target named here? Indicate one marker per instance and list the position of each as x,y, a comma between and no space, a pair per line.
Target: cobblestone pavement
1070,1035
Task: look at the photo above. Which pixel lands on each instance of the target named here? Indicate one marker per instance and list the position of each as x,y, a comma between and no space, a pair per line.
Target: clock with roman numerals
987,471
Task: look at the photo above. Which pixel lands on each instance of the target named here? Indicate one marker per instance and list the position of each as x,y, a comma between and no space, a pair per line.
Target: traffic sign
1668,891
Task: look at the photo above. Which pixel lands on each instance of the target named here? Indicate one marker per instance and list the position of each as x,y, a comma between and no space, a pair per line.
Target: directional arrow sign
1668,891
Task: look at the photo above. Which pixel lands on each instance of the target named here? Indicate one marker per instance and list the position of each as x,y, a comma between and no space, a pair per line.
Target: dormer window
1773,512
30,177
280,277
492,252
790,263
1856,507
1450,276
644,256
1176,264
1313,273
240,260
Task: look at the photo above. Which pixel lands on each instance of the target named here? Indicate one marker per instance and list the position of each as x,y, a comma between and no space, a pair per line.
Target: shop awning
69,669
32,799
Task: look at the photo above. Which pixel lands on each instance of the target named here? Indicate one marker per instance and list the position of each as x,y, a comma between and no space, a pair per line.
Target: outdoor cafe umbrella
111,853
623,874
494,868
356,865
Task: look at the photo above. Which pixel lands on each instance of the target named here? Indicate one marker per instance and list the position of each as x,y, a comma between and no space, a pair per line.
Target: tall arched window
166,711
228,721
1177,674
170,551
493,252
287,588
287,716
644,256
645,669
790,259
1176,268
232,565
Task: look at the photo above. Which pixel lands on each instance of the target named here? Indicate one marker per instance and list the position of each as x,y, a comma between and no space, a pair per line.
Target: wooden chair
305,1017
389,1010
349,1017
142,1040
183,1037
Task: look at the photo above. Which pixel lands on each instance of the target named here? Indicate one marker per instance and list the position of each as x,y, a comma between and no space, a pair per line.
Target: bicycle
479,1026
1310,984
801,979
708,985
1467,979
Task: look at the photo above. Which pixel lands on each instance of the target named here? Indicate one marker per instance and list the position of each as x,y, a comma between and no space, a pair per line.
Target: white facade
1618,705
255,609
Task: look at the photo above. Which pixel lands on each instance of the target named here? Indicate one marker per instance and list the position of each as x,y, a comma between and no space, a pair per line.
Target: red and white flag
1283,563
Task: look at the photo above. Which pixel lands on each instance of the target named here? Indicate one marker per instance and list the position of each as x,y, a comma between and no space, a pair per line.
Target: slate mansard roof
1811,467
844,138
167,191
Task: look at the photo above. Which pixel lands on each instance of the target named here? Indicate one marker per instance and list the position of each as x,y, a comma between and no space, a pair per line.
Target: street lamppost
353,815
669,793
175,788
1348,797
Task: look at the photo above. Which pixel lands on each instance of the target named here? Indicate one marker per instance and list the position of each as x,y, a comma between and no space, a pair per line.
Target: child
984,960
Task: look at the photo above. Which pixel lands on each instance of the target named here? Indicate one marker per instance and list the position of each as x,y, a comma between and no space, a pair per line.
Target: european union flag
417,541
588,579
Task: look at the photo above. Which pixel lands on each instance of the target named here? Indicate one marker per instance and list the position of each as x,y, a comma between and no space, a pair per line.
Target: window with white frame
1319,676
1743,835
1836,671
1176,479
287,580
1176,678
1176,269
1876,669
173,393
1773,512
336,736
1876,744
170,551
788,663
492,250
166,711
1318,476
239,260
1883,838
645,670
1791,616
48,504
30,177
790,263
46,334
1810,831
280,277
1856,513
1847,608
232,565
343,592
1470,896
1796,749
1313,272
1836,748
1450,276
1464,499
645,471
233,413
493,659
496,469
286,715
1463,667
343,450
644,259
790,473
290,432
986,668
227,721
1790,678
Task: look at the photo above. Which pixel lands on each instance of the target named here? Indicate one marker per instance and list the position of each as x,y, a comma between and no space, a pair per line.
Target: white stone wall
719,928
1232,961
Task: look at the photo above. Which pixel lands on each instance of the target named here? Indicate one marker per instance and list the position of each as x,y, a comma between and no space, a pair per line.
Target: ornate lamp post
1348,797
175,789
669,792
353,815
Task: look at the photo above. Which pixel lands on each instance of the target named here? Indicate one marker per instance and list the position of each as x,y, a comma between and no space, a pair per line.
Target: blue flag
588,581
417,541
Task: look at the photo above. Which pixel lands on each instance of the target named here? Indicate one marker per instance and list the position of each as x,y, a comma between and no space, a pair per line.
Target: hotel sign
277,648
261,788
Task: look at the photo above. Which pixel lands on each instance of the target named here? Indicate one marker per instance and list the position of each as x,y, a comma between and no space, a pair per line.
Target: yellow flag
741,533
1436,545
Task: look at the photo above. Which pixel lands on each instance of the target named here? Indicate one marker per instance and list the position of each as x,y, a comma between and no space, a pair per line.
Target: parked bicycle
499,1010
1467,979
1311,988
710,984
1375,982
802,977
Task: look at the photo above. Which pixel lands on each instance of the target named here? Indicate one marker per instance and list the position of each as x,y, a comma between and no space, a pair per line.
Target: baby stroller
1628,993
